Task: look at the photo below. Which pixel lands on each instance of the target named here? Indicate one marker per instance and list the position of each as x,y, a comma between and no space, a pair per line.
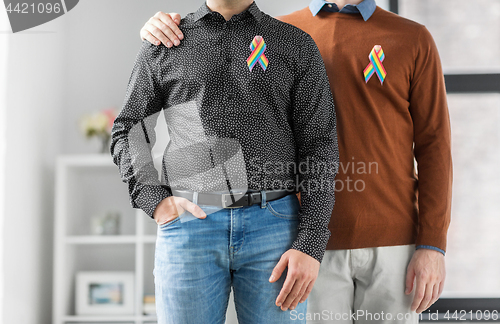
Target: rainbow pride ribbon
376,57
258,46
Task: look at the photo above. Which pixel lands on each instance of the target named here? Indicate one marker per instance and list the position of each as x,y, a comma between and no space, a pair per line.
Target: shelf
92,191
89,186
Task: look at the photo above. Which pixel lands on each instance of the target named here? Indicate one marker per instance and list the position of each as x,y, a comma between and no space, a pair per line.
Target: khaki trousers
362,286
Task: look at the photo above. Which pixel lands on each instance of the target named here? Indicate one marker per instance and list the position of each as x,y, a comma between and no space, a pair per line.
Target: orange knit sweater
382,127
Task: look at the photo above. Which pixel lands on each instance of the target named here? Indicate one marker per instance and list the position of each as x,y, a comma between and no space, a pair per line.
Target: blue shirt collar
365,8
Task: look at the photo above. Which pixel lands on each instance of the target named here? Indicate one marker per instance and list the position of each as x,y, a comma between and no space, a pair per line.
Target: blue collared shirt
365,8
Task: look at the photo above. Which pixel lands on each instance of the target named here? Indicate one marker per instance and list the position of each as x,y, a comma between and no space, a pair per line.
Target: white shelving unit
87,185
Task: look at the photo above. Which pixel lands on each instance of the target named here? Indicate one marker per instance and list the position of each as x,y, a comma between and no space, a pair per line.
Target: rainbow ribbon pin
376,57
258,46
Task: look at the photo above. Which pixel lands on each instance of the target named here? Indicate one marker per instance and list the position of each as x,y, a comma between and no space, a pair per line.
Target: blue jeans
198,261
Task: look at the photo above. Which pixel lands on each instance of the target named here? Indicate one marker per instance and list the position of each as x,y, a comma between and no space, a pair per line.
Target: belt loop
195,197
263,201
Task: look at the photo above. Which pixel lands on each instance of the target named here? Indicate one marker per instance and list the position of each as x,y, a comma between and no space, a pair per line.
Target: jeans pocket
170,222
286,207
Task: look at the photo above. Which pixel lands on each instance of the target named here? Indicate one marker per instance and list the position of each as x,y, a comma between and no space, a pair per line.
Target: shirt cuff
150,196
310,243
429,247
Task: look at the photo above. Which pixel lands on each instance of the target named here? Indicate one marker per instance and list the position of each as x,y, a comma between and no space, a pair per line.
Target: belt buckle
224,200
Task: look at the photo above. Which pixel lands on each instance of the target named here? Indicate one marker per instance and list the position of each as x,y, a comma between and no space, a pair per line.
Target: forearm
133,134
434,198
434,166
145,190
314,123
313,232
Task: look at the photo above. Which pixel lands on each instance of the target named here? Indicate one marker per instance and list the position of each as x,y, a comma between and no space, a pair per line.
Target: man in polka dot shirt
251,121
385,259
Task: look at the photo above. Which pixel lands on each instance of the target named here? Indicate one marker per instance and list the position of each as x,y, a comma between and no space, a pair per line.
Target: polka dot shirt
233,122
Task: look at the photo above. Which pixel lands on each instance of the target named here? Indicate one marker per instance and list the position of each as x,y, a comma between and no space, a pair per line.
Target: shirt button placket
227,52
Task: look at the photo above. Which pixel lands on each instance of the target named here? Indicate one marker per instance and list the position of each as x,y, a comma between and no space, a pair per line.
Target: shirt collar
365,8
252,10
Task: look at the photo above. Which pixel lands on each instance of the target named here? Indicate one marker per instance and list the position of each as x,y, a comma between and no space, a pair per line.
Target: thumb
410,279
193,209
279,268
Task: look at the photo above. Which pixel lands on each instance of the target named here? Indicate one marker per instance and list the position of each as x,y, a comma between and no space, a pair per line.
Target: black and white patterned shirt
243,112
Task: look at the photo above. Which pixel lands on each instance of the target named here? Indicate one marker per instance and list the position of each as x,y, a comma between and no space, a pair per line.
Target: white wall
4,25
34,105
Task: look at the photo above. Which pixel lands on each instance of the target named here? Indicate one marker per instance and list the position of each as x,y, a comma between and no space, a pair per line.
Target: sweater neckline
340,15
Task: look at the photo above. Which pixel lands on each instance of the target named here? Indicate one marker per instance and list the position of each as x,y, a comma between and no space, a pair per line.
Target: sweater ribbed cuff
429,247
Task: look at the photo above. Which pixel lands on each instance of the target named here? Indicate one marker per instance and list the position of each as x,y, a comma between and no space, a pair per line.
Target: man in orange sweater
385,258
